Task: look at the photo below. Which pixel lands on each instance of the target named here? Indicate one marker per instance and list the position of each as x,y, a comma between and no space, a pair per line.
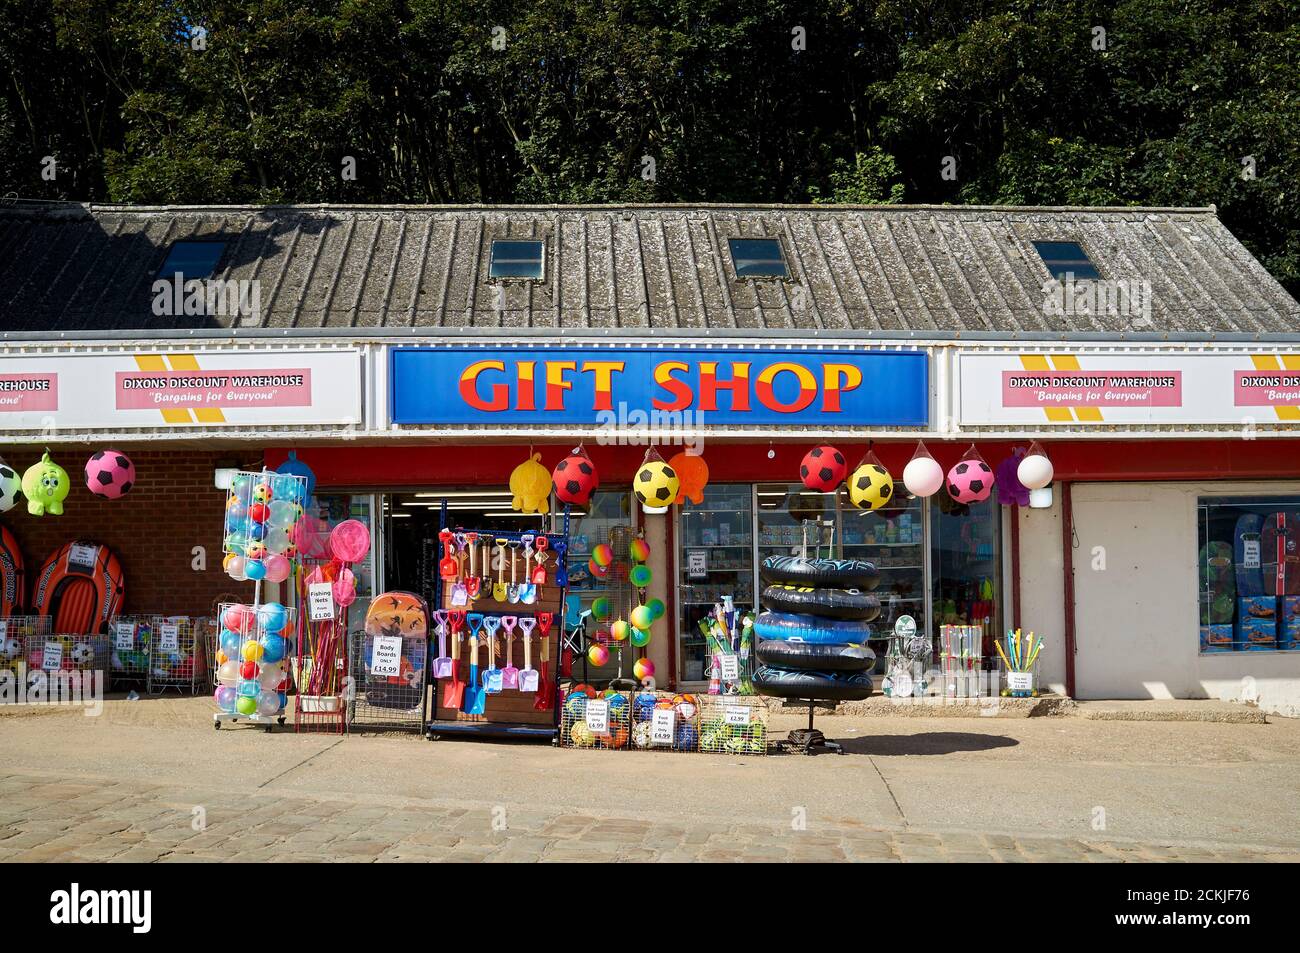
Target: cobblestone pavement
57,820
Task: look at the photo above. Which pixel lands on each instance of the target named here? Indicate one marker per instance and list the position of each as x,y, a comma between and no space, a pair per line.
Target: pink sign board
21,393
1266,388
1092,388
161,390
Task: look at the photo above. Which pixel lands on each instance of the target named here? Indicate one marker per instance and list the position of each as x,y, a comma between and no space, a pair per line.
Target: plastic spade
492,676
459,589
509,674
449,568
561,564
475,701
544,692
512,590
453,694
499,590
442,664
539,574
527,591
528,676
472,580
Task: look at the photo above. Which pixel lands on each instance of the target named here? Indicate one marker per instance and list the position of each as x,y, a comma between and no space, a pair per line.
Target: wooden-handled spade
544,692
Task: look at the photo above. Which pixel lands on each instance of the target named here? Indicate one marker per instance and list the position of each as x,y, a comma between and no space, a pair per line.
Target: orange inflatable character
692,474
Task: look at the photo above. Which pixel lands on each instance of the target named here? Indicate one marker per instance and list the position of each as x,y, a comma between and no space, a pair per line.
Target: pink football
110,474
970,481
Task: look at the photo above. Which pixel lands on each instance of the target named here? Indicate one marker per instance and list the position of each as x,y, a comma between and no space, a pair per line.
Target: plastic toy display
46,486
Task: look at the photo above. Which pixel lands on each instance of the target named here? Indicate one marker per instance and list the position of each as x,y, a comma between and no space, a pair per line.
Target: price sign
730,666
598,716
736,715
169,637
386,658
1020,681
661,726
320,599
124,636
52,657
82,557
697,565
904,627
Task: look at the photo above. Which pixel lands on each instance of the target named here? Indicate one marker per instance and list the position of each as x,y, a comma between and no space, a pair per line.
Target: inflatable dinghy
11,574
80,587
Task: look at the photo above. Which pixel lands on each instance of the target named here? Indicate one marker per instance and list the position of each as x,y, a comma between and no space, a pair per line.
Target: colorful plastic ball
597,654
246,705
639,550
242,484
248,670
252,651
642,617
643,668
970,481
235,543
236,510
603,554
655,485
640,575
686,706
235,566
273,648
581,735
686,738
249,689
1035,471
643,734
229,642
259,512
575,705
271,617
277,567
262,493
870,487
823,469
657,607
643,705
227,674
268,703
110,474
600,609
575,479
225,697
620,630
923,476
282,514
271,677
238,619
640,638
255,570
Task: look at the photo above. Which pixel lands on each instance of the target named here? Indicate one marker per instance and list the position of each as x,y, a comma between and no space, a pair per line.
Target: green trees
1162,102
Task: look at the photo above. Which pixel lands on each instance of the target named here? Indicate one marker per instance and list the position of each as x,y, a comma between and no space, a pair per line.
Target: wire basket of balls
662,721
59,662
130,637
14,634
254,646
595,719
178,654
733,724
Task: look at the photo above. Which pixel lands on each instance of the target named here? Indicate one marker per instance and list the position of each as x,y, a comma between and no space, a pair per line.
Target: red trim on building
1067,568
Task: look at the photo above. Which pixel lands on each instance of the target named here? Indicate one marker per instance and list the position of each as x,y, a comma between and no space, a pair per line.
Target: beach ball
285,486
603,554
249,689
657,607
236,509
238,618
110,474
271,617
620,630
598,654
600,609
252,651
281,515
823,469
268,704
642,617
228,673
254,570
11,485
923,476
639,550
640,575
248,670
870,487
575,705
640,637
596,569
225,697
692,476
262,493
271,677
655,486
277,567
643,668
273,648
246,705
1035,471
575,478
259,512
970,481
229,642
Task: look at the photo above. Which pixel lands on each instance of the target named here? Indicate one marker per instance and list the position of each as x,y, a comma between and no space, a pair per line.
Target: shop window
1248,559
965,564
608,519
192,260
715,543
758,258
1067,258
517,259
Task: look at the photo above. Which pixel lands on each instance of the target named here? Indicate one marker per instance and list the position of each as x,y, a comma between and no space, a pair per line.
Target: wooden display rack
510,713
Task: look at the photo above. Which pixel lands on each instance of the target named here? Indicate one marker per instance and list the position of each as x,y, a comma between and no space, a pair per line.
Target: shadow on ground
927,743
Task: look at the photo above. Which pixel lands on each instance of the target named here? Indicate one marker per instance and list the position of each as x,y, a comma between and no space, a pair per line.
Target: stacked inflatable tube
813,634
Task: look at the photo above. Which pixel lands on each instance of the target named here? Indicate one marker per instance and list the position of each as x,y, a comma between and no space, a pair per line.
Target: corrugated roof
938,270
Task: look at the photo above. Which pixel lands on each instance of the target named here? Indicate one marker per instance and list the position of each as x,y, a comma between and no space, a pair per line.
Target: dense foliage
1155,102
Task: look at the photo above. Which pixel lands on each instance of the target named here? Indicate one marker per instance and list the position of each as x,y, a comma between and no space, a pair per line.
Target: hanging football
10,486
110,474
655,486
970,481
870,487
575,478
823,469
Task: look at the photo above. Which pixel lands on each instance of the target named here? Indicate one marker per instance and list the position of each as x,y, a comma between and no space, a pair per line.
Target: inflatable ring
826,657
792,627
828,603
833,573
822,686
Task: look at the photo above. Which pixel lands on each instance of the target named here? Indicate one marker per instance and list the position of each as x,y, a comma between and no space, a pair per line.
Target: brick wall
153,529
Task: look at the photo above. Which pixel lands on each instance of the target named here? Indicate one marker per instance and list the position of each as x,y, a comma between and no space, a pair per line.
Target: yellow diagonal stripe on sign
1037,362
1292,363
204,415
1068,362
154,362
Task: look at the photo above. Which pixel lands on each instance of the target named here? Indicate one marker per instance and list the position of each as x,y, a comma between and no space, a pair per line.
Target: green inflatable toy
45,485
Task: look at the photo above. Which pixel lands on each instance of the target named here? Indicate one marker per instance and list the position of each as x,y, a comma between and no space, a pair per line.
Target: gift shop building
413,357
